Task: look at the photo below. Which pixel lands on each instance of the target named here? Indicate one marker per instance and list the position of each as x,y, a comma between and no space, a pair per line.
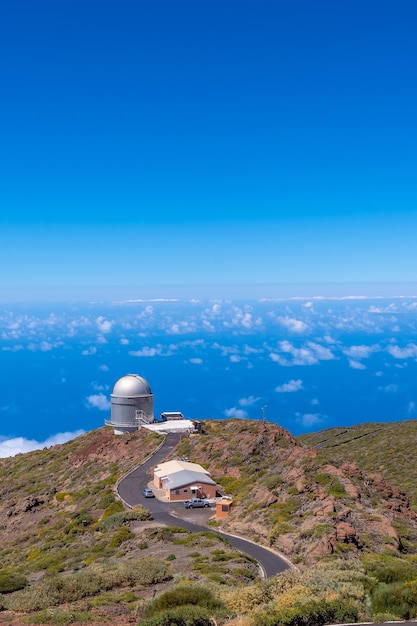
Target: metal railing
140,418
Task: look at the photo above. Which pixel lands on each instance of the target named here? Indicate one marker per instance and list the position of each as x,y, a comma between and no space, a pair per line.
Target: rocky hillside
286,496
60,516
388,448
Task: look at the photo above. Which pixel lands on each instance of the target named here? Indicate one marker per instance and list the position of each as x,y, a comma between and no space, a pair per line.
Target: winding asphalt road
130,488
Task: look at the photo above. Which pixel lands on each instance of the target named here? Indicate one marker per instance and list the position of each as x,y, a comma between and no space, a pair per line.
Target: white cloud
356,365
148,310
292,324
276,358
133,300
44,346
310,354
310,419
104,325
249,401
104,368
243,318
329,339
389,388
321,352
196,361
181,327
90,351
360,352
250,350
235,358
17,445
410,352
10,408
148,351
234,412
98,401
291,386
98,386
225,350
411,406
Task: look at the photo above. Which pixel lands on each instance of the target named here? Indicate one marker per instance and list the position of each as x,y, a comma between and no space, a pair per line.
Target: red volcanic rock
346,533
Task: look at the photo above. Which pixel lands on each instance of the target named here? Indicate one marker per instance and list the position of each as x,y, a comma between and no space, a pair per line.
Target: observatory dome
131,385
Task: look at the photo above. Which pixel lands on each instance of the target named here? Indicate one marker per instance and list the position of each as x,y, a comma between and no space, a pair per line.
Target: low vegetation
75,555
375,447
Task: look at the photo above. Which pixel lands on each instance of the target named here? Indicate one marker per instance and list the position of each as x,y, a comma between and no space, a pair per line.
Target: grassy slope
60,516
389,448
56,504
289,497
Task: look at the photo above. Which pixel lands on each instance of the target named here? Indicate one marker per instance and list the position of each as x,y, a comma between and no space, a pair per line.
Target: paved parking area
195,516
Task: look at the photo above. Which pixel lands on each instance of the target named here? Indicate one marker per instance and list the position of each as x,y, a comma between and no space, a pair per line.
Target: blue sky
148,145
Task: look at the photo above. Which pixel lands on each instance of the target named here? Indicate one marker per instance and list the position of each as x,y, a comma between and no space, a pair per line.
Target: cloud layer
17,445
355,357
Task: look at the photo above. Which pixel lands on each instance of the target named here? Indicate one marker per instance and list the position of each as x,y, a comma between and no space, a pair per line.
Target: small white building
169,416
183,480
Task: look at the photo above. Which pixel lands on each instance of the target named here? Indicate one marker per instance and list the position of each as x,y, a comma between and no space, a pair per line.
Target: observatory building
131,404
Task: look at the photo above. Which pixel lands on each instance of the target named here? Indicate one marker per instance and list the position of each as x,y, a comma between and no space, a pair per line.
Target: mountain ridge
60,514
385,447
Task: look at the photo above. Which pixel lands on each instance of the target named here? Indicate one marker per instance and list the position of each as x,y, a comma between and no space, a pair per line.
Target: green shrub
388,569
396,599
121,517
321,529
50,561
62,495
216,578
114,507
65,618
11,581
312,613
106,499
243,572
80,522
181,616
182,595
120,536
272,481
330,482
55,590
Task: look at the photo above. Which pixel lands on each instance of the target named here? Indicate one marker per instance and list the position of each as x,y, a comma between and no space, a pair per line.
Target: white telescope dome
131,385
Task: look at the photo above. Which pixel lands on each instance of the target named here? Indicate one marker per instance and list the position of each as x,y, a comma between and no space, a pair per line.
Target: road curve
129,488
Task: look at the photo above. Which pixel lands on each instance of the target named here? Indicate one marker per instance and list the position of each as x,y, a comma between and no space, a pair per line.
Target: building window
185,490
225,508
175,492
